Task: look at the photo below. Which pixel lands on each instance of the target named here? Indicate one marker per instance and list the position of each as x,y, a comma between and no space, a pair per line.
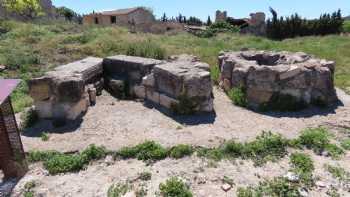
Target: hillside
30,49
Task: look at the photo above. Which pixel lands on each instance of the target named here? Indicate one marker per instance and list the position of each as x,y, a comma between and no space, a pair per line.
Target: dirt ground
115,124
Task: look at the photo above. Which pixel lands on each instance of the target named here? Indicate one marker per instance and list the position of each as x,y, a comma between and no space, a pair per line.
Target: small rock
109,160
321,184
2,68
325,154
292,177
201,180
226,187
303,192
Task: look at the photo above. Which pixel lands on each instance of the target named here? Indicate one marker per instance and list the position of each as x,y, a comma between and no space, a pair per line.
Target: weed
118,190
36,156
215,74
334,151
303,166
210,153
147,151
28,189
345,144
93,152
339,173
45,137
180,151
146,49
174,187
29,118
238,96
145,176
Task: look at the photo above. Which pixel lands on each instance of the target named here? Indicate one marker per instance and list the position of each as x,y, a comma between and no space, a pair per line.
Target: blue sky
203,8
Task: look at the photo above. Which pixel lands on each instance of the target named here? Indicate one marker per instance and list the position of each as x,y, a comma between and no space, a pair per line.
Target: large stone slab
62,93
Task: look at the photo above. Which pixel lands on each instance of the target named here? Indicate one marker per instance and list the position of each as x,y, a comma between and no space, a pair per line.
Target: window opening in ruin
113,19
96,20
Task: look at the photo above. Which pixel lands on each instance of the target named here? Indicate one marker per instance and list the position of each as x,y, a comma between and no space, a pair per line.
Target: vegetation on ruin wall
28,50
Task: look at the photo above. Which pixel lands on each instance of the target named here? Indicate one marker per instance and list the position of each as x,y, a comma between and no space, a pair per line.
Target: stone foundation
66,92
267,77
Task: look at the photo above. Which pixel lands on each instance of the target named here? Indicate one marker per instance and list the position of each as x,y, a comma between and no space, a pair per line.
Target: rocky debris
123,73
292,177
268,77
303,192
320,184
183,79
66,92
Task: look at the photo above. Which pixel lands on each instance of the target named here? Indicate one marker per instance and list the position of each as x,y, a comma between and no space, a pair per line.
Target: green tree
27,8
209,21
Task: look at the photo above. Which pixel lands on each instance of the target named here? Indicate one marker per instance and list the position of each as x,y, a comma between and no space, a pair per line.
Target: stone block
140,92
40,88
167,101
153,96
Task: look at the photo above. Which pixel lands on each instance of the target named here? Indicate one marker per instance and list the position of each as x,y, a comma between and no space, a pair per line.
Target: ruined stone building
122,17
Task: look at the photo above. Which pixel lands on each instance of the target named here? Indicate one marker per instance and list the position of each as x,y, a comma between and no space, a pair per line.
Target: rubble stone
266,76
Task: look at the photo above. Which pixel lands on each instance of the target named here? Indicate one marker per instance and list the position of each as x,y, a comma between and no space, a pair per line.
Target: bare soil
115,124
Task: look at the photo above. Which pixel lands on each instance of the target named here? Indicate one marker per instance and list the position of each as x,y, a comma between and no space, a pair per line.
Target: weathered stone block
40,88
166,101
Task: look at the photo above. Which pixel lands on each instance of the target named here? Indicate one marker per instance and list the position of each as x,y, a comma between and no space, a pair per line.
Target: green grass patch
174,187
346,26
146,49
57,163
44,137
145,176
339,173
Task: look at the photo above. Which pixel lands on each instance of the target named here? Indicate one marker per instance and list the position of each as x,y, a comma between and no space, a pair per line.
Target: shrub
94,152
233,149
334,151
215,74
238,96
64,163
118,190
315,138
180,151
303,165
147,151
174,187
145,176
146,49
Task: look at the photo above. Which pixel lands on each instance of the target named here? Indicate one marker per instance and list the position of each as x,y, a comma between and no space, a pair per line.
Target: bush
180,151
210,153
218,27
174,187
118,190
339,173
146,49
334,151
238,96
